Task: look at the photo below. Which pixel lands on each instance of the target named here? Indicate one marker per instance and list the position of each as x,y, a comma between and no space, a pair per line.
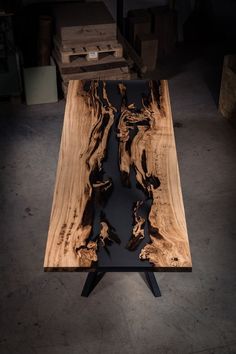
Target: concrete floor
43,313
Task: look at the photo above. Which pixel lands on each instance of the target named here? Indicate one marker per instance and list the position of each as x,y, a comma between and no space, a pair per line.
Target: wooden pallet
90,53
81,64
78,43
99,72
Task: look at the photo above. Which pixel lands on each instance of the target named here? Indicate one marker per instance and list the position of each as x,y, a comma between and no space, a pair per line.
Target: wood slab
84,22
77,65
117,202
99,71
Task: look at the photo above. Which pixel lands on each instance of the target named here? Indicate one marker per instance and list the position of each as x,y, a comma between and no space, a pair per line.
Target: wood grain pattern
153,155
146,145
82,151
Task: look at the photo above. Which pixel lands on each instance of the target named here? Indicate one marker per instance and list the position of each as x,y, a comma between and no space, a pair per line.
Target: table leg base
93,279
152,283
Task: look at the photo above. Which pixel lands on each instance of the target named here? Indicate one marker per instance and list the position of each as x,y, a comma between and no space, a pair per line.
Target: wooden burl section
145,145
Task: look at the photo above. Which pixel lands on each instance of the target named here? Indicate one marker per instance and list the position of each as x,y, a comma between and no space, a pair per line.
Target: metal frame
93,279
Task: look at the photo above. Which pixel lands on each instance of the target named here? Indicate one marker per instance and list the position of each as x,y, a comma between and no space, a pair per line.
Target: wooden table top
117,202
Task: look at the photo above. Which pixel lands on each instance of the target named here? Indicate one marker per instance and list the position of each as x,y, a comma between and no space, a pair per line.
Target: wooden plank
89,34
75,21
82,188
97,72
76,44
147,45
130,52
227,100
137,26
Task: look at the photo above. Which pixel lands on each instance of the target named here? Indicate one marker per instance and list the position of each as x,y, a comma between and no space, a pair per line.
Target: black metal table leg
153,284
91,281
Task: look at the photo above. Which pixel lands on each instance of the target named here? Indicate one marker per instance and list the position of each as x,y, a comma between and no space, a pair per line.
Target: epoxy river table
117,202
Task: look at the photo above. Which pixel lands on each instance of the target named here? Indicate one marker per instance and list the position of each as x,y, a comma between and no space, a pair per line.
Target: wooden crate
147,45
165,27
84,23
227,101
138,21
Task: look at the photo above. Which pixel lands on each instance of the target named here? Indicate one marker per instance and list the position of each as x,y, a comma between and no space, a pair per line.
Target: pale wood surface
83,146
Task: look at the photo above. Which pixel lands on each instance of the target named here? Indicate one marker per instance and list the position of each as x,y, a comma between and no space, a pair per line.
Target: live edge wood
151,152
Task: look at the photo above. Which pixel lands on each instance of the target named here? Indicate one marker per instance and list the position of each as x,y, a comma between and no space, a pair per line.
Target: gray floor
43,313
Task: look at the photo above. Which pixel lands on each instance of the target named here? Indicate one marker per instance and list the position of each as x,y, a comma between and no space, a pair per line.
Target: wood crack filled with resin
96,188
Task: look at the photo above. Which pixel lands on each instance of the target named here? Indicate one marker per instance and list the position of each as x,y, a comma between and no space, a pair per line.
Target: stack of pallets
85,45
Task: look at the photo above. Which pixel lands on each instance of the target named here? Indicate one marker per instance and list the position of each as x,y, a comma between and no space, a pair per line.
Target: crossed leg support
93,279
